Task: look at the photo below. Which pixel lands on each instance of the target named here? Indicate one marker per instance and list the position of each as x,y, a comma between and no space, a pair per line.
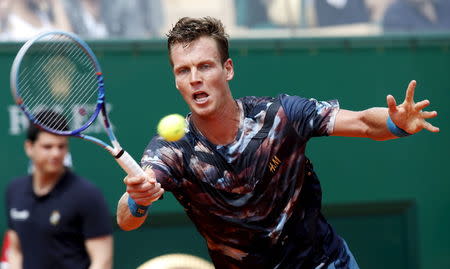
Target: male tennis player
241,172
55,218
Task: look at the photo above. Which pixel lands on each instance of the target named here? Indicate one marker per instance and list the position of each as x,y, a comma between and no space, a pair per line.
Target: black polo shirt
52,228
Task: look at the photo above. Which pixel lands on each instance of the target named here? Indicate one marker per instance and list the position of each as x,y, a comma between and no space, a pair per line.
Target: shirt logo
55,217
274,163
19,214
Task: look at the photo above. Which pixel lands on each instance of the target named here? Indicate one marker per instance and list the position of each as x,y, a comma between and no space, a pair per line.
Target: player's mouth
200,97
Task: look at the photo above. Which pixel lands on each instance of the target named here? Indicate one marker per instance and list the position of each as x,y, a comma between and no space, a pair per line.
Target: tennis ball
172,127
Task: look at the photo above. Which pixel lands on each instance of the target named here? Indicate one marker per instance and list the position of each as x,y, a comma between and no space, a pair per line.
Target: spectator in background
25,18
252,13
5,9
312,13
56,219
87,17
417,15
335,12
136,18
286,13
97,19
377,9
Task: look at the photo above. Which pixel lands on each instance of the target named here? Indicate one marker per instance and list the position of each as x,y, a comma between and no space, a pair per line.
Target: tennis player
56,219
240,172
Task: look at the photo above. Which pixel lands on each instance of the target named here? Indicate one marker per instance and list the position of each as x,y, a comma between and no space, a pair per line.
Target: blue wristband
135,209
394,129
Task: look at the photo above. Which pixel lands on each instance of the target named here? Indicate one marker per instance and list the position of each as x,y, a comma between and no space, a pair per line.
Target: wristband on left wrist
394,129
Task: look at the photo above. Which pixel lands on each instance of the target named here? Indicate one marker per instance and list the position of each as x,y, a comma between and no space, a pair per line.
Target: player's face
47,153
201,77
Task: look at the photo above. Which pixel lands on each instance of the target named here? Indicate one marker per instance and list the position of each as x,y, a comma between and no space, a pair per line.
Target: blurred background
389,200
143,19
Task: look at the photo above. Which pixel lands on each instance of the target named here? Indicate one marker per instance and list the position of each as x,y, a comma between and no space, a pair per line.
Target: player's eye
205,66
62,146
182,71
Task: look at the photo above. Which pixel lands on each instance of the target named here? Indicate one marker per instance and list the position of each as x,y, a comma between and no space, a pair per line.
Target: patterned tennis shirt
257,200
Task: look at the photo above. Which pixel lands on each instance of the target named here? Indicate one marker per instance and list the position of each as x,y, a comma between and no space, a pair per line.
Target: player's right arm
144,190
15,252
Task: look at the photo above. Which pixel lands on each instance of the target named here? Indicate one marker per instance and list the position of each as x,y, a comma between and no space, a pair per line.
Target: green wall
391,195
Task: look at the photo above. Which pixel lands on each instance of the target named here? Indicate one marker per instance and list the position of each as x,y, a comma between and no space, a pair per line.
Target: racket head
57,71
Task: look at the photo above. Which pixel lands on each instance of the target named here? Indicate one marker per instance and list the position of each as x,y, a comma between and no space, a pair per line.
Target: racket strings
58,75
41,61
78,95
41,97
52,68
74,104
54,105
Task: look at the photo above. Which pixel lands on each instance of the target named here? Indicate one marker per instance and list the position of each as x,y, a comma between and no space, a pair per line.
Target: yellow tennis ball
172,127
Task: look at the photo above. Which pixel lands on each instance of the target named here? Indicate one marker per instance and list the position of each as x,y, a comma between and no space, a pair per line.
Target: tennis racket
57,71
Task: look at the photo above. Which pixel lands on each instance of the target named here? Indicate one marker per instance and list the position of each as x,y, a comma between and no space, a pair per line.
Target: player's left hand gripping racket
58,71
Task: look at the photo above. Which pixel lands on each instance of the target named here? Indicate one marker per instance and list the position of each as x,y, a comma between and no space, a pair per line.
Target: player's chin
204,112
54,169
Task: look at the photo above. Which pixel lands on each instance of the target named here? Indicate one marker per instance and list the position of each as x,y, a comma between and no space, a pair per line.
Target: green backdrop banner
359,72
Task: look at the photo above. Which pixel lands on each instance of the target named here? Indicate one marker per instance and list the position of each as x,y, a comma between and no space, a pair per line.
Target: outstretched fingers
409,115
409,98
430,127
421,105
428,114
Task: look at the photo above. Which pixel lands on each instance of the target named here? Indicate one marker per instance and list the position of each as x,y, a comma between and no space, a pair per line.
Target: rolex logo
55,217
274,163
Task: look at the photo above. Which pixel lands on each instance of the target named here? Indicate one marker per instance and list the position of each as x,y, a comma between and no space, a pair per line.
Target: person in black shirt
56,219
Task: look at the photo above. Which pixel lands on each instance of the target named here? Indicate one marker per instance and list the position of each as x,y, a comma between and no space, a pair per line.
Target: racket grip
131,167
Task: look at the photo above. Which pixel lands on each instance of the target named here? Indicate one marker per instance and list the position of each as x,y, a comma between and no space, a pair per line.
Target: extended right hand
144,190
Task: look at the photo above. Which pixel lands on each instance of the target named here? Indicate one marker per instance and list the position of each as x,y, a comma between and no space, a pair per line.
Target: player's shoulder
253,105
19,182
256,100
20,179
289,102
80,185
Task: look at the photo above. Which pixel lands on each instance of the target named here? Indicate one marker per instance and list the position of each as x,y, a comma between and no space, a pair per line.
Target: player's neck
223,127
43,182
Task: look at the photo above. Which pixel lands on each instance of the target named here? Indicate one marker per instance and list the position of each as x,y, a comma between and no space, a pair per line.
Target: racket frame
121,156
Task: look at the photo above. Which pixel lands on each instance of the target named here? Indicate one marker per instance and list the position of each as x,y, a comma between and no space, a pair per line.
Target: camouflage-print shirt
256,200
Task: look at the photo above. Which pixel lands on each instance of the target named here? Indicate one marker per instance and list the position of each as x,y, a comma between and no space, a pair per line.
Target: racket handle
129,165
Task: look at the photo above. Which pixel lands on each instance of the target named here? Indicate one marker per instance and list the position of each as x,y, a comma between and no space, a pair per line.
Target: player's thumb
391,103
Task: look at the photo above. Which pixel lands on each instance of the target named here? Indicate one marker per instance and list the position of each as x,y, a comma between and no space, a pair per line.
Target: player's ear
28,146
228,65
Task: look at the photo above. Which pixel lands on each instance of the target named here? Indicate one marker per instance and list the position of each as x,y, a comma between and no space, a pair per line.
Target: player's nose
194,77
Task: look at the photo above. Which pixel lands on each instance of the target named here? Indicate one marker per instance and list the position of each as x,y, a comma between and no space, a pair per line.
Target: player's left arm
406,118
100,251
15,256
